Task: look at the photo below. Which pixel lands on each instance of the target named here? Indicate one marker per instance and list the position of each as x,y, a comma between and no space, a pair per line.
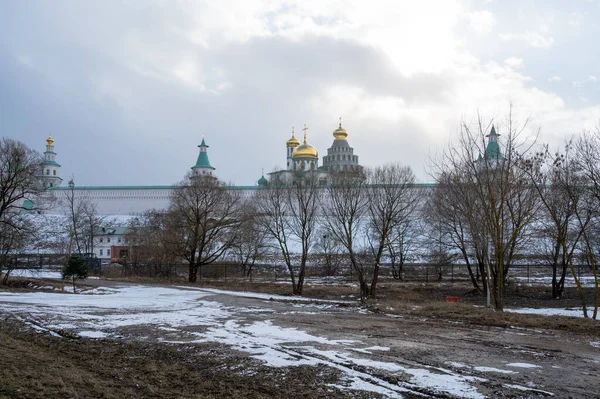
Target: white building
50,169
111,243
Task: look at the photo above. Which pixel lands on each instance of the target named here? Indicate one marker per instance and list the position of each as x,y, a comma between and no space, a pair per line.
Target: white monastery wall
124,200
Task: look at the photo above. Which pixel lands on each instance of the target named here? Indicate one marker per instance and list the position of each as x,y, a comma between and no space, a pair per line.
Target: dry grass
468,314
39,366
22,284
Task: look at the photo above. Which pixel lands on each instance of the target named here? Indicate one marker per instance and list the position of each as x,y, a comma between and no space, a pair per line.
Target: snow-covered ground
573,312
186,315
36,273
586,281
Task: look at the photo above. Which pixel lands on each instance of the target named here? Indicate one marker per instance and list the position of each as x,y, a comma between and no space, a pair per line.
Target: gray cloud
119,118
102,78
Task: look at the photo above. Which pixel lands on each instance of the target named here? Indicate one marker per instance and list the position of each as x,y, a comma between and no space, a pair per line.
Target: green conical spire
492,150
202,161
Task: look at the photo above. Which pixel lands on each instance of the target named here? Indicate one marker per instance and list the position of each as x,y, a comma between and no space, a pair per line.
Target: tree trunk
473,278
300,283
364,289
193,273
372,291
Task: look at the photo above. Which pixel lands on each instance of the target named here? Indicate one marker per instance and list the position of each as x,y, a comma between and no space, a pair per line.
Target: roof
64,188
492,150
202,161
117,231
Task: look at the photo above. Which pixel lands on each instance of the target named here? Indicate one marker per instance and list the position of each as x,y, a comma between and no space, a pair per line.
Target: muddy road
373,354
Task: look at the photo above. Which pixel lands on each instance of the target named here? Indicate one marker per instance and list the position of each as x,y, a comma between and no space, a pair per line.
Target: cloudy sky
128,89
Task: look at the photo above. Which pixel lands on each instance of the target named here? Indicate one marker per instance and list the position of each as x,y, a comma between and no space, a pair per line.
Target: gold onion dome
340,133
292,142
305,150
50,141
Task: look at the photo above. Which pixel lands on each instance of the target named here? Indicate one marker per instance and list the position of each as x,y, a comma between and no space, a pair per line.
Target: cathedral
304,158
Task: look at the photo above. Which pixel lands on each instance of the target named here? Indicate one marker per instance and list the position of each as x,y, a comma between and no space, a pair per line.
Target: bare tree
19,178
199,221
74,216
20,191
83,220
250,242
153,253
91,224
15,236
391,201
406,234
288,213
558,180
501,203
452,226
344,209
273,210
303,200
588,159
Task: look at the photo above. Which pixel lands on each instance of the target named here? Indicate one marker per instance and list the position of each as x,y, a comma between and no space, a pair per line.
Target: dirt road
377,353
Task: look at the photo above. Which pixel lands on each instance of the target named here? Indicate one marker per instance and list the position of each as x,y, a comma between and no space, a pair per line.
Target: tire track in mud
364,374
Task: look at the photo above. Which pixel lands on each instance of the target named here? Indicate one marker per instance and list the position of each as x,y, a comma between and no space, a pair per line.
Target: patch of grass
27,284
466,313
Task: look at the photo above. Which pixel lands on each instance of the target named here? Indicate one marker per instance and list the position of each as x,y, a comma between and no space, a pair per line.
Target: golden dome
50,141
293,142
305,150
340,133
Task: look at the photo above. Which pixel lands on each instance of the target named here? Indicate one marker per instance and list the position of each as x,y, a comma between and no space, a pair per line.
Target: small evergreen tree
75,269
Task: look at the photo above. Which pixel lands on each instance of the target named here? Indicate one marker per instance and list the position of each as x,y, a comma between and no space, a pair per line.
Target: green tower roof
202,161
492,150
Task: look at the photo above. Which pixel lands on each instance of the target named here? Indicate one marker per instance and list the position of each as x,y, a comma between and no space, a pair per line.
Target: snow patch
36,273
268,297
92,334
484,369
523,365
522,388
548,311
